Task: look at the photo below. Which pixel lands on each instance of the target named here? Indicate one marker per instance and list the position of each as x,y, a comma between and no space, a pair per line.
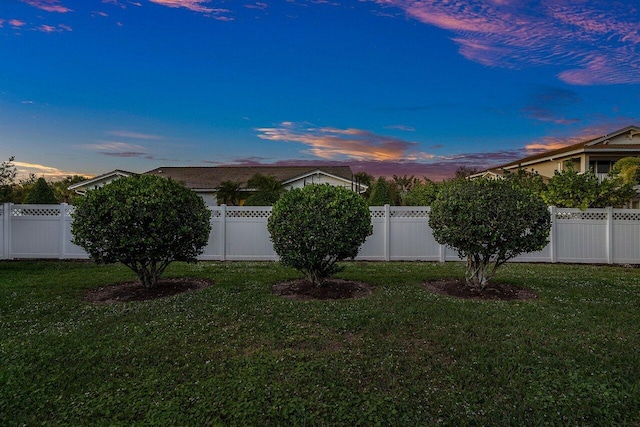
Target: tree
571,189
488,222
40,193
228,193
143,221
314,227
530,180
267,190
23,187
380,193
8,174
422,194
628,169
465,171
61,188
363,179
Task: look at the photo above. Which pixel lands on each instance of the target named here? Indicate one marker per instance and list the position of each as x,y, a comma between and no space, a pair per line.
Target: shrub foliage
488,222
314,227
145,222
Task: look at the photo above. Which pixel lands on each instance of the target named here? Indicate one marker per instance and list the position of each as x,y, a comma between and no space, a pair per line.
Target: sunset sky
385,86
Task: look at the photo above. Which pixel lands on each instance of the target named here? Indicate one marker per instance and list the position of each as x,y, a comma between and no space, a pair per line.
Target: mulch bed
494,291
135,291
332,289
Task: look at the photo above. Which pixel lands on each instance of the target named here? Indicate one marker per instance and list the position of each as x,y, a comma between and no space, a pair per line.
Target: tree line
568,188
34,190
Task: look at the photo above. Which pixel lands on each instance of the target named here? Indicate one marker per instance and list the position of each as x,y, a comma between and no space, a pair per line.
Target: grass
234,354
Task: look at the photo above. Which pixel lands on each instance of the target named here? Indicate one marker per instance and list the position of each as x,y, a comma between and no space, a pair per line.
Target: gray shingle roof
196,177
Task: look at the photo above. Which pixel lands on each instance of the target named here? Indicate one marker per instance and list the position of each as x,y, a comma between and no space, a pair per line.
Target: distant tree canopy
267,190
7,178
422,194
61,188
628,168
40,193
380,193
229,193
571,189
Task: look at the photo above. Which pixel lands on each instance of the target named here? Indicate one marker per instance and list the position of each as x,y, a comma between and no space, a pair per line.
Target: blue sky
385,86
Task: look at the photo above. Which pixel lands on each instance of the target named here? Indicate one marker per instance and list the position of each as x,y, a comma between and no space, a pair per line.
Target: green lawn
234,354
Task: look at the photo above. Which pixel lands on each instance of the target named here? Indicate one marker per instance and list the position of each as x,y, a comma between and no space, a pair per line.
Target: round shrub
488,222
314,227
145,222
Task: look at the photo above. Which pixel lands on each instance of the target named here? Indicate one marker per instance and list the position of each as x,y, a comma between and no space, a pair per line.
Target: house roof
105,176
210,177
594,145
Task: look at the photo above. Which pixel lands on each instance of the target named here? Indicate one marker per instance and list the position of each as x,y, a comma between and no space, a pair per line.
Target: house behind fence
609,236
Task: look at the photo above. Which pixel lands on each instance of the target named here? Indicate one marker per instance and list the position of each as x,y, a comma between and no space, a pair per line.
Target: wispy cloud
51,29
24,169
332,143
118,149
401,127
596,41
547,103
257,5
16,23
48,5
133,135
553,142
202,6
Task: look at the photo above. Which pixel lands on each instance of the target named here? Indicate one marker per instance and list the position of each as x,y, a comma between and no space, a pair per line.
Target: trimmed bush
488,222
314,227
145,222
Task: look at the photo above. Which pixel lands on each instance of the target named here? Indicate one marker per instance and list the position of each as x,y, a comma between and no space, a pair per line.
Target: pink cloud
332,143
257,5
588,133
1,23
16,23
596,42
47,29
51,29
48,5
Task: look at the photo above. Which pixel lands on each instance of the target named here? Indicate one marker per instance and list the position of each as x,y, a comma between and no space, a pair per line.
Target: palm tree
229,193
267,190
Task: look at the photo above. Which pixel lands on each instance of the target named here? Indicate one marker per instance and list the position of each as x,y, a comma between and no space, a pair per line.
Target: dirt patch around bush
494,291
135,291
332,289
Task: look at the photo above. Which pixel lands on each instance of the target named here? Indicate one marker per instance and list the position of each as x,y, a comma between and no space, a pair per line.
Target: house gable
98,181
598,153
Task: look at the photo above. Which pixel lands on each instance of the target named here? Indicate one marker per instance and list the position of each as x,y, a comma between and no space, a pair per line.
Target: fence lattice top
35,211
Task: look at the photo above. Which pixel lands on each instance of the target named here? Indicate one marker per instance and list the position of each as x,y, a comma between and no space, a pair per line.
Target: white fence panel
214,251
36,231
412,238
399,233
581,236
247,237
5,224
626,236
373,248
69,250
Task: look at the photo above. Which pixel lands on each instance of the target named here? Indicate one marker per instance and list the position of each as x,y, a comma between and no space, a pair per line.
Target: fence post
63,210
552,234
609,235
387,233
6,230
223,230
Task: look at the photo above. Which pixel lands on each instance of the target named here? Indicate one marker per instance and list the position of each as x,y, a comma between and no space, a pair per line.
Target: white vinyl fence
608,236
